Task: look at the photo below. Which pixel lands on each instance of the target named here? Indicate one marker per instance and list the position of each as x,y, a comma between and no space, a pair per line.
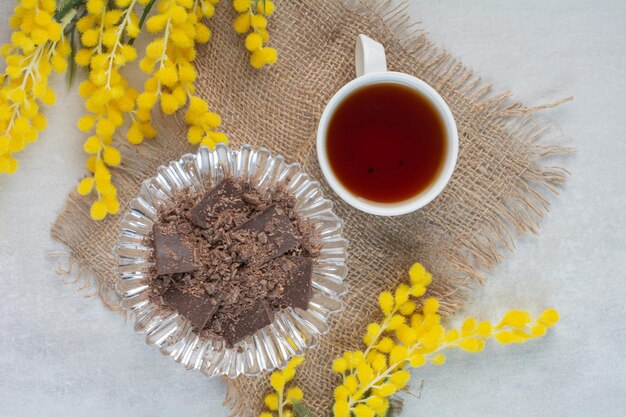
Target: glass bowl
293,330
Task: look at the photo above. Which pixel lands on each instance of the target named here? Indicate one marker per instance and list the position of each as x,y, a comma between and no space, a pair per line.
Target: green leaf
143,18
389,411
71,71
67,6
300,410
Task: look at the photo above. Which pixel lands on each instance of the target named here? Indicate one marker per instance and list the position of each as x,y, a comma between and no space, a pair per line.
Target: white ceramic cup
371,68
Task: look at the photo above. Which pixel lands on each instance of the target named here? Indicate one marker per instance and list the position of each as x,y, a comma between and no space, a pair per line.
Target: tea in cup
387,142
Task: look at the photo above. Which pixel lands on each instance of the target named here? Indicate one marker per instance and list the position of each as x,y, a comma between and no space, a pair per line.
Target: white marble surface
64,355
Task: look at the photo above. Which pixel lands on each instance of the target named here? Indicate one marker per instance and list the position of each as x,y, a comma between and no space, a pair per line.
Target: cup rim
416,202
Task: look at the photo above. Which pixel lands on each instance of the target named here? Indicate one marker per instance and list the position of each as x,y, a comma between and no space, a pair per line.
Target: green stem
143,18
72,63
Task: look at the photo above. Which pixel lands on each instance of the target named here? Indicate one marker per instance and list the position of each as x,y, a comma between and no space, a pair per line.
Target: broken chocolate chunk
172,253
224,196
275,235
255,318
297,287
198,310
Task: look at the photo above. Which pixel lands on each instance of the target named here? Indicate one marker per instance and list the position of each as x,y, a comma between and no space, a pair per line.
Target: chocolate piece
224,196
273,233
172,254
297,289
254,318
198,310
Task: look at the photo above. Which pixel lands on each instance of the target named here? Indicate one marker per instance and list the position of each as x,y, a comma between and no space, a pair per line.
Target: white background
64,355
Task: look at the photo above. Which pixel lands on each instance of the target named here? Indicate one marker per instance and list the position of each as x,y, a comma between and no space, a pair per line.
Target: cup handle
369,56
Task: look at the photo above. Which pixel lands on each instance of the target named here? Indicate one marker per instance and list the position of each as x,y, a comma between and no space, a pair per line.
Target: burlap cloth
499,189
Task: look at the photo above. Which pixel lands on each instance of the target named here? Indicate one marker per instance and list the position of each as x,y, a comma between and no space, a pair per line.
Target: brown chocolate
197,309
172,254
227,195
274,235
254,318
251,256
297,288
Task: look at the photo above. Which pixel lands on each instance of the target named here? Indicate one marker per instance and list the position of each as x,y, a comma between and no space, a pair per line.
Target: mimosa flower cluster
410,338
107,96
282,401
169,58
98,35
37,48
252,20
178,25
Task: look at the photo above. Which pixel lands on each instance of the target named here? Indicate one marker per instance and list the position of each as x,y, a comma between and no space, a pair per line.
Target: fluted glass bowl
293,330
